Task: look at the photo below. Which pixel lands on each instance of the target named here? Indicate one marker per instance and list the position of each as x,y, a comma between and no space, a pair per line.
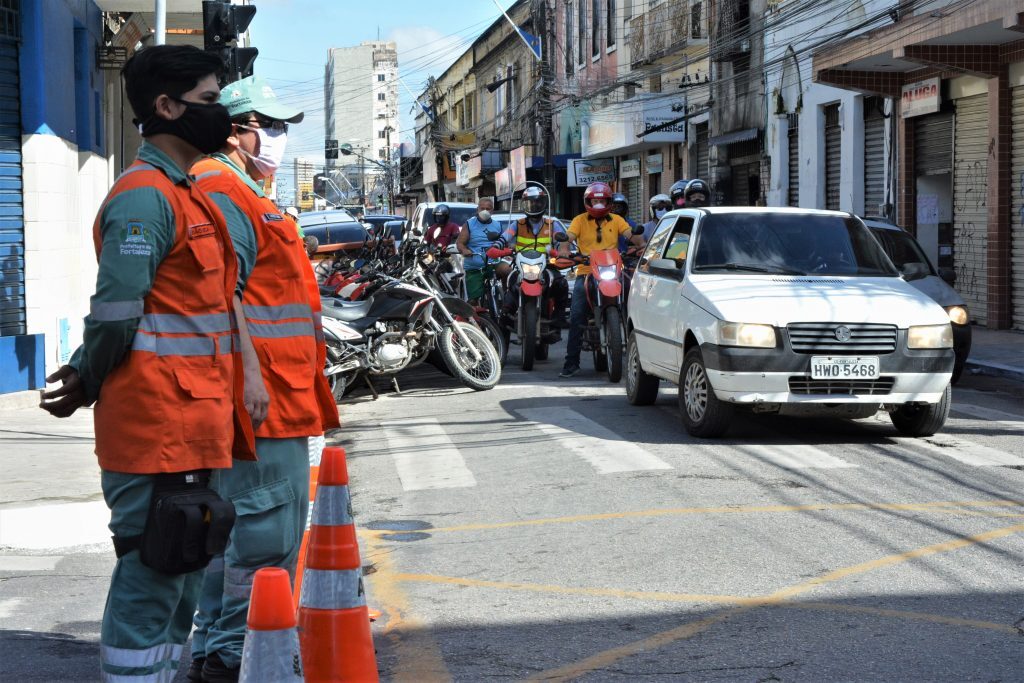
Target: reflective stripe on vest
525,239
274,313
332,589
171,323
135,659
281,330
182,346
114,311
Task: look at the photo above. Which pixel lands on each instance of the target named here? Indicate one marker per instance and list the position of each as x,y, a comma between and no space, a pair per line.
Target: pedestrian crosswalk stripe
604,449
425,457
29,563
793,456
1008,420
967,452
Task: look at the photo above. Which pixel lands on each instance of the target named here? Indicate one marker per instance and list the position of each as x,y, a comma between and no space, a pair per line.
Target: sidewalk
996,353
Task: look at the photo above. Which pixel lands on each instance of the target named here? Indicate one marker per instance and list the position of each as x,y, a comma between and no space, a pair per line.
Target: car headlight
531,271
606,273
746,334
958,315
930,337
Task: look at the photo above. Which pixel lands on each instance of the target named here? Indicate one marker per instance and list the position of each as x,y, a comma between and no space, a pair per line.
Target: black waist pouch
188,524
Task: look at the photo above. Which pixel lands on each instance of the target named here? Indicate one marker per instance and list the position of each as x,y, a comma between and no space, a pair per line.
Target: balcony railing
664,29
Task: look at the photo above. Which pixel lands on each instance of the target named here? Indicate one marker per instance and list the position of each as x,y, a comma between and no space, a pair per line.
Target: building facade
361,110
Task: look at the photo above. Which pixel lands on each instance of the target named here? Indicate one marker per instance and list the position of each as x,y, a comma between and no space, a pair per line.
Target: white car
792,311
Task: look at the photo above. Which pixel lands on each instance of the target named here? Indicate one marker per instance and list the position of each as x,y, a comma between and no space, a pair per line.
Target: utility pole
434,137
546,88
389,175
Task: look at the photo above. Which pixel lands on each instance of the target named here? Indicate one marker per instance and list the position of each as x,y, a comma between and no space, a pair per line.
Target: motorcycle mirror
451,249
417,232
492,235
561,237
637,230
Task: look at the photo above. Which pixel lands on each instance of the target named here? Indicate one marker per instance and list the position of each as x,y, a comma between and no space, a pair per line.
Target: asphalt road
547,530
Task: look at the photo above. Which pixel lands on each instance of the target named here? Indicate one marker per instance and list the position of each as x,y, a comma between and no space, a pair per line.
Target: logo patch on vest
201,230
134,240
268,217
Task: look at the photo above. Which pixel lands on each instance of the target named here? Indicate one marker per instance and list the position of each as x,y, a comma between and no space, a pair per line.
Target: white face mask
484,215
272,144
658,213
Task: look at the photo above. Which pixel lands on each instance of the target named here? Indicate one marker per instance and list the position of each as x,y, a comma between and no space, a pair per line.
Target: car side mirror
561,237
417,232
666,267
948,275
915,270
491,235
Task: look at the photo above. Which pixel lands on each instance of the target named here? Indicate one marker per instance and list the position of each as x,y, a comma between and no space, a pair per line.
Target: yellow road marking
417,653
739,600
608,657
738,509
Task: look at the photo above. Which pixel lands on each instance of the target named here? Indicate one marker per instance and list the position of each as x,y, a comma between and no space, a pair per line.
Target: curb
990,369
19,400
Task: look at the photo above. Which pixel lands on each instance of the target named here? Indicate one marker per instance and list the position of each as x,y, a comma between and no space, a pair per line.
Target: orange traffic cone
334,625
314,473
271,650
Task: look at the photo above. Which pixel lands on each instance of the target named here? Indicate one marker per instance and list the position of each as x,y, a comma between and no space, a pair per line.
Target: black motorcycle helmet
441,214
697,193
677,193
620,205
534,201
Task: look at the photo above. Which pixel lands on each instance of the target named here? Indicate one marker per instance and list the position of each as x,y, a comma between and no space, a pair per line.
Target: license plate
844,367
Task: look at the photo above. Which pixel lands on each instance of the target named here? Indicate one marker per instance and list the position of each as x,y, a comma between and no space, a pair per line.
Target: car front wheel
922,420
703,414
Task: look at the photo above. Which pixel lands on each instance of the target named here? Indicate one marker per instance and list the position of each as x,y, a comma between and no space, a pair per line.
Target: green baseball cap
255,94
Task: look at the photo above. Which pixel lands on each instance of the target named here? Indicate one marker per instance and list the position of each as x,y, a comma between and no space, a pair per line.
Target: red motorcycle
605,288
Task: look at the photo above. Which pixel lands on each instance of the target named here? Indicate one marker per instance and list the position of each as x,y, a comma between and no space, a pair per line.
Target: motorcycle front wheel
529,338
613,340
478,374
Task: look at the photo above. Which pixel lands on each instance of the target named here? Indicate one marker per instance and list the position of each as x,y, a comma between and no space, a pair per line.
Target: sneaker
569,371
195,670
215,671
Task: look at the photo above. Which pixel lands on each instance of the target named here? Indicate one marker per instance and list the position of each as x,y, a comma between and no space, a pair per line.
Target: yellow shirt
585,229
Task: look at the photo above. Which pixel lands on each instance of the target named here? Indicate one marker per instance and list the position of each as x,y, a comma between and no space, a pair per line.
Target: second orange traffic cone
271,650
334,625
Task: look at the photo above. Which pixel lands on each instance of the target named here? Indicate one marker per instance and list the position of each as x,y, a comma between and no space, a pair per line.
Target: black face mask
204,126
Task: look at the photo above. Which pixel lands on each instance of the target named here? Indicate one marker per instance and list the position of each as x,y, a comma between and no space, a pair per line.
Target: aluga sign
922,97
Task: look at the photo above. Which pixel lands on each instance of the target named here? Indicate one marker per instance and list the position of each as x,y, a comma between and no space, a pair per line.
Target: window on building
569,39
696,23
381,97
655,83
595,28
382,153
581,43
380,78
610,23
380,134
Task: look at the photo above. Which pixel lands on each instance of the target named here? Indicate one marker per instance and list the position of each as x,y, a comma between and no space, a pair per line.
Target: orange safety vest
525,239
171,405
283,318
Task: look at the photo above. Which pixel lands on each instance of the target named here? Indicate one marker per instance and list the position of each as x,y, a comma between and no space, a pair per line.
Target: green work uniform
147,617
271,496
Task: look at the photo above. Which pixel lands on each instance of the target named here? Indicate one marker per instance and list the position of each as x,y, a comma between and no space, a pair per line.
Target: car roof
791,210
382,216
880,223
461,205
324,217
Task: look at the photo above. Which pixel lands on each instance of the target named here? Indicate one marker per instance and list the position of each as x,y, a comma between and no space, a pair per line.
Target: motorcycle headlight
746,334
531,271
606,273
958,315
930,337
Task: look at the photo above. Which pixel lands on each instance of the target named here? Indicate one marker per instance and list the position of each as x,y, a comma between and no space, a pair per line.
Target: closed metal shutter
637,207
793,193
703,170
12,226
933,144
874,159
970,204
833,160
1017,206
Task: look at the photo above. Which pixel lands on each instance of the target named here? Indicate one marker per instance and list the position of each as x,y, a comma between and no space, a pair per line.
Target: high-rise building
304,172
361,108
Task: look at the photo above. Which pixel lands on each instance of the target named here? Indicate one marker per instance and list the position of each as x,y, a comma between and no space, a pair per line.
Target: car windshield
324,217
788,243
456,214
901,248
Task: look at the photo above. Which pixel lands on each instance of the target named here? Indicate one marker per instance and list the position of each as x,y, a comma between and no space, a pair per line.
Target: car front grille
823,338
841,387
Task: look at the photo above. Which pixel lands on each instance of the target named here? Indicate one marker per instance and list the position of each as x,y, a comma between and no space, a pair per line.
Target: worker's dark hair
165,70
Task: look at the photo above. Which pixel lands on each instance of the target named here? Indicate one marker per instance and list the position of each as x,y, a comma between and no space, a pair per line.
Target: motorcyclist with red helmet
596,228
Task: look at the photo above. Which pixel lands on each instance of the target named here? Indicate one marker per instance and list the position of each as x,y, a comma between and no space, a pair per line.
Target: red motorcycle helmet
598,200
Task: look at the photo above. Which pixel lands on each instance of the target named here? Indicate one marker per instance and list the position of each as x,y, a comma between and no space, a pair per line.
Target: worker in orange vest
281,302
157,359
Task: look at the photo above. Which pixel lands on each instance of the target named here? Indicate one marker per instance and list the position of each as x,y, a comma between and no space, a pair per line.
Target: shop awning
734,136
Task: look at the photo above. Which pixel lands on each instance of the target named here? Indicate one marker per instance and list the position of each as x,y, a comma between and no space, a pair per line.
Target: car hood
780,300
936,288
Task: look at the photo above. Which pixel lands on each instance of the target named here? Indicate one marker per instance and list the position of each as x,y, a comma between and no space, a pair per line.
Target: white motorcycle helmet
659,204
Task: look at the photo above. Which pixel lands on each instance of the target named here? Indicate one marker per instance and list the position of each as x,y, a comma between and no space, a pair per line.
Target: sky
293,37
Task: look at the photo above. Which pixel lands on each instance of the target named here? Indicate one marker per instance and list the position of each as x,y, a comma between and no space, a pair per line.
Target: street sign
330,149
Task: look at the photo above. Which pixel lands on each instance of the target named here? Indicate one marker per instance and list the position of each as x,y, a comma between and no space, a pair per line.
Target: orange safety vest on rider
525,239
168,407
282,317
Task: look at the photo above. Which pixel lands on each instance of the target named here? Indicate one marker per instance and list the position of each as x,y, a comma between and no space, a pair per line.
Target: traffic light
223,23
